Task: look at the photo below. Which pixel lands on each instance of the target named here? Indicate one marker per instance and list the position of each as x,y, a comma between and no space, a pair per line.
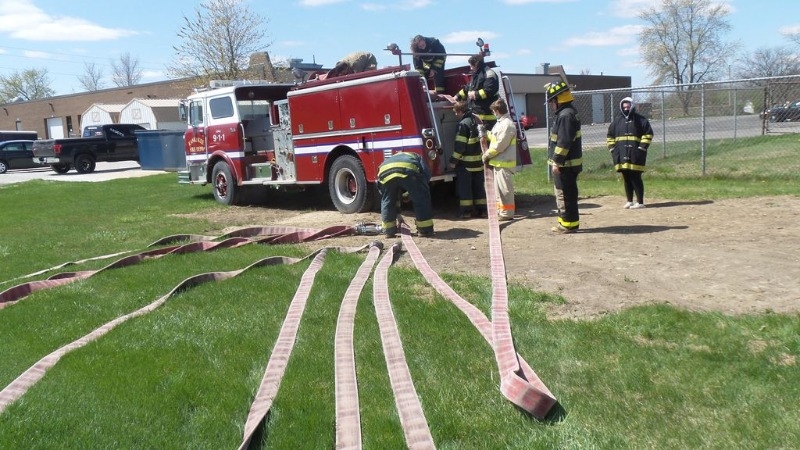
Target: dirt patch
735,256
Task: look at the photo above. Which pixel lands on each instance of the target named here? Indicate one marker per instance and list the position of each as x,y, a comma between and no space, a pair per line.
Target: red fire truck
335,132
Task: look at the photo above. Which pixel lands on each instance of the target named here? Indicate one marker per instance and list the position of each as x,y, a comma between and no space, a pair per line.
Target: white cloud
789,30
462,37
629,8
629,51
314,3
614,36
405,5
153,75
21,19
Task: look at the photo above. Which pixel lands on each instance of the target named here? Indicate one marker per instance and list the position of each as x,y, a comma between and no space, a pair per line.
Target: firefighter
481,91
354,63
466,160
429,56
405,171
501,155
629,136
565,153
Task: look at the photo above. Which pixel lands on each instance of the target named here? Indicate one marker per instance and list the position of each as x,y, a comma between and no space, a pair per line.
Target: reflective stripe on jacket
467,148
502,150
565,148
486,85
628,140
401,165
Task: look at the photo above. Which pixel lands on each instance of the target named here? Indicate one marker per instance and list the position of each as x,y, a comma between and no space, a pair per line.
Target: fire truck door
284,150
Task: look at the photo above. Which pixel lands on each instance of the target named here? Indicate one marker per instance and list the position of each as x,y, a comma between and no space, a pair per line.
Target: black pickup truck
114,142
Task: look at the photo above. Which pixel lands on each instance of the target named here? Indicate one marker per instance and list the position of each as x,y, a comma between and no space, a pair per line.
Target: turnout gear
565,155
405,172
502,157
629,136
469,167
429,57
485,87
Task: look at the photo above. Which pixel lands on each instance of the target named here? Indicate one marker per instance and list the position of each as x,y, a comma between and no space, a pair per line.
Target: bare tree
92,78
29,84
218,40
126,72
768,62
794,37
682,42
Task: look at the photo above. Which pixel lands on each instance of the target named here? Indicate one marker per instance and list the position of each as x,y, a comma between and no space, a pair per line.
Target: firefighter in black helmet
565,153
482,90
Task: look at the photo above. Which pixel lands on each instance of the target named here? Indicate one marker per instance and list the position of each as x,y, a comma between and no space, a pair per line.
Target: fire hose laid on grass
518,382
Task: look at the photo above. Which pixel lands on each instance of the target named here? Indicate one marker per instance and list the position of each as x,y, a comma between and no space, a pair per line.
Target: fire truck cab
244,137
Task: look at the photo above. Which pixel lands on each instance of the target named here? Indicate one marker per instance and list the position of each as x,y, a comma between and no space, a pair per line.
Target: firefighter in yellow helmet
565,153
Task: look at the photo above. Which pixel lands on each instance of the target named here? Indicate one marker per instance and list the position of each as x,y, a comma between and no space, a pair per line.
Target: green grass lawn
184,375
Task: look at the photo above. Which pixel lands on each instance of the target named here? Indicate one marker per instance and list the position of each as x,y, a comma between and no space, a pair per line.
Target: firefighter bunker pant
567,181
391,194
471,193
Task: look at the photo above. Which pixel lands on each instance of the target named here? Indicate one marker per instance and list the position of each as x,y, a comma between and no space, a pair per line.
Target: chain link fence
741,128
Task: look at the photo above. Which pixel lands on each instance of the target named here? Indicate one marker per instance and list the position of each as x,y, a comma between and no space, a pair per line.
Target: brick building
60,116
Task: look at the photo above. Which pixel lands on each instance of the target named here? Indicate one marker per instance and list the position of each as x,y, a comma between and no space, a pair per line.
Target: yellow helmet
554,90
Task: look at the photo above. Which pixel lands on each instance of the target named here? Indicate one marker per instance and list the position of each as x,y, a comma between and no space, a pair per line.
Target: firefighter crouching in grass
405,172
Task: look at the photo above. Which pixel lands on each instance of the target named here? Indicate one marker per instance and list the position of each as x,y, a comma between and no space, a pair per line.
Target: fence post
663,125
703,127
734,114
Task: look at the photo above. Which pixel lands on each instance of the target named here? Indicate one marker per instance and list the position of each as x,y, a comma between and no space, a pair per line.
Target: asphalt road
681,129
104,171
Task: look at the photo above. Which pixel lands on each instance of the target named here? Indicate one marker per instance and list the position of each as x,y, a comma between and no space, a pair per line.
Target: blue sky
595,35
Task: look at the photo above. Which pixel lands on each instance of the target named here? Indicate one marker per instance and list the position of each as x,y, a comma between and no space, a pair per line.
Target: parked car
16,155
527,121
788,113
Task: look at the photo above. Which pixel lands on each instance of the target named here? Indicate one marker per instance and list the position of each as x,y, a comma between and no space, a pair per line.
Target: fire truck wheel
348,186
223,184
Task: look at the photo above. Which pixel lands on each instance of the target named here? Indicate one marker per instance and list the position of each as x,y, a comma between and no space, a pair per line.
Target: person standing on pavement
565,153
500,152
629,137
405,172
482,90
429,57
466,160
